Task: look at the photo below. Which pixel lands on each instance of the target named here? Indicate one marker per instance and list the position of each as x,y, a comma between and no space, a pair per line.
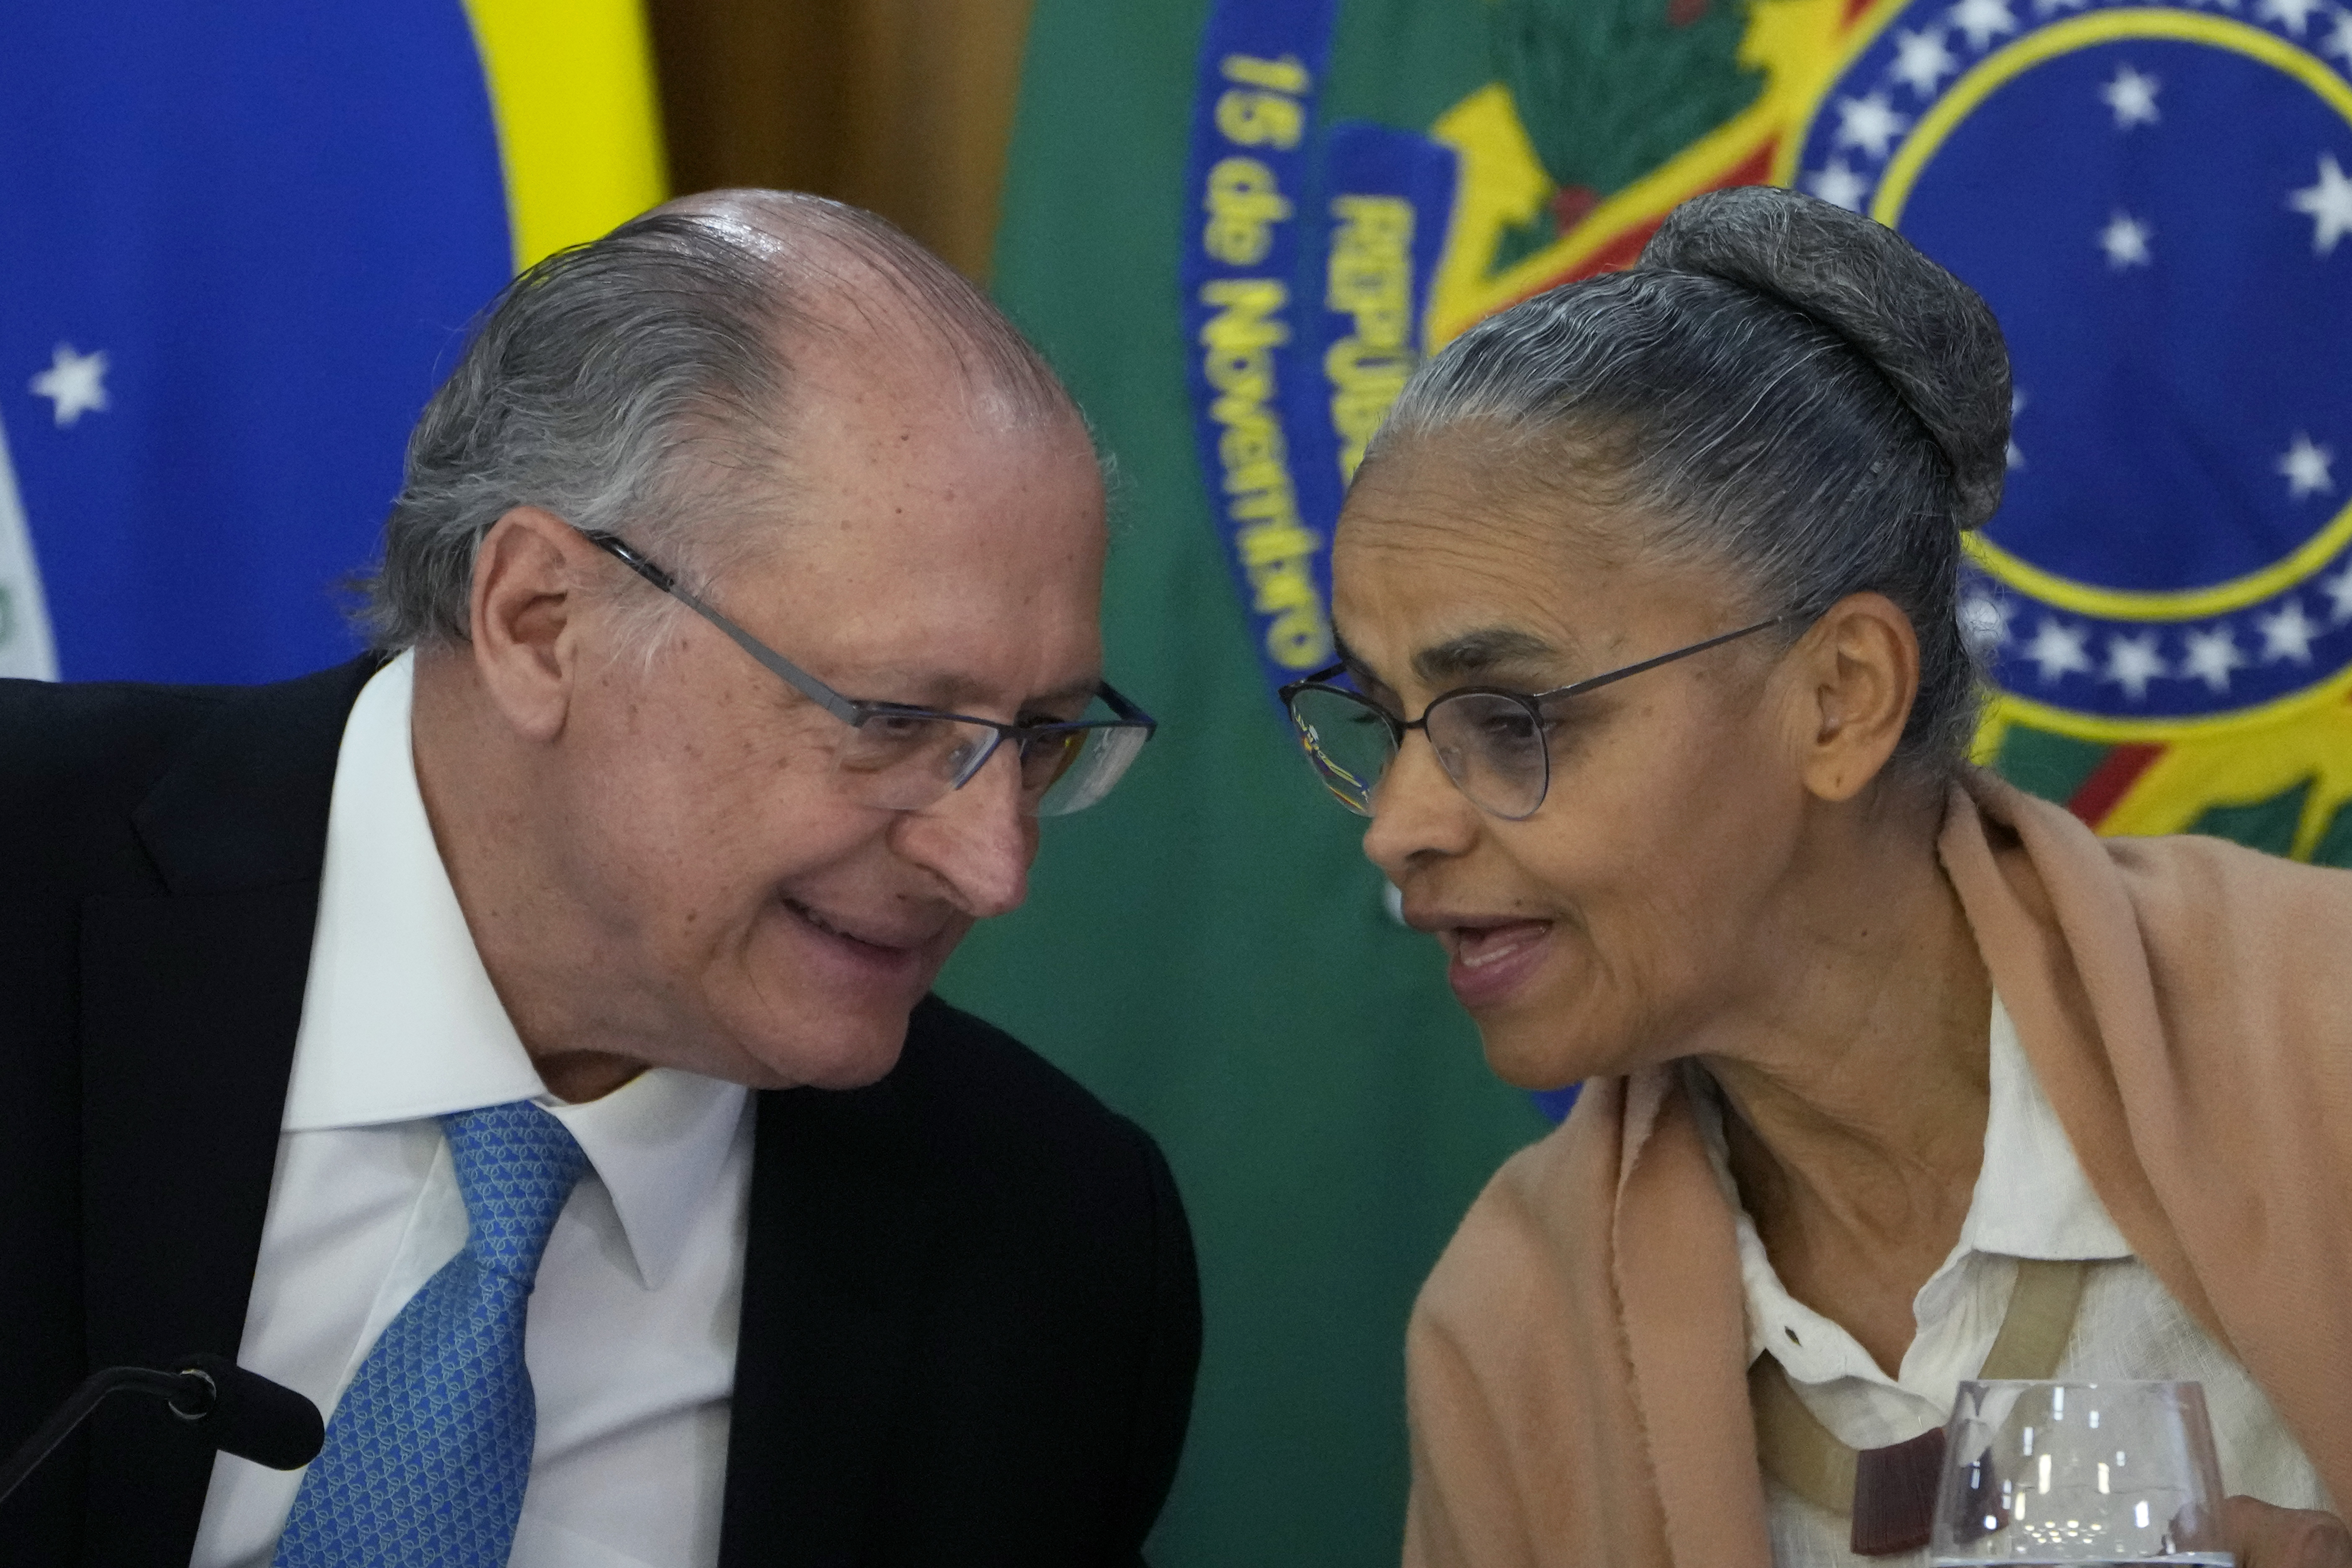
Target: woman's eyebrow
1357,669
1481,652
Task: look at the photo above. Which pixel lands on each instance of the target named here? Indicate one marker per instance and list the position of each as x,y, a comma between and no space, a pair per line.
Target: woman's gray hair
1779,385
630,384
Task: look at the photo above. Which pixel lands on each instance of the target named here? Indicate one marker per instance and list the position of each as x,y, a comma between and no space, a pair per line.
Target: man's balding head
643,381
852,283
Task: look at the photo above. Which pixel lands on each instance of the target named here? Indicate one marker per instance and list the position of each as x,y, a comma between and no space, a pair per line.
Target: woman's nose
1417,812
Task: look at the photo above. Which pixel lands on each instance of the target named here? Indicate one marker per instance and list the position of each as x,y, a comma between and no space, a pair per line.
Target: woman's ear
1860,664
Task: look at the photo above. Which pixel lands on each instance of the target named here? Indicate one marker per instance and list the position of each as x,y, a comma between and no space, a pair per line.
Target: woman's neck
1857,1080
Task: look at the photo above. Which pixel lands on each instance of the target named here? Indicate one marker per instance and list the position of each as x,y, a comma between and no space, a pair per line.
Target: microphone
244,1414
236,1411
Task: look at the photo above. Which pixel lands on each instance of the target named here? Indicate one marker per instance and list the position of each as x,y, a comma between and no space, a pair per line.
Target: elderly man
518,1040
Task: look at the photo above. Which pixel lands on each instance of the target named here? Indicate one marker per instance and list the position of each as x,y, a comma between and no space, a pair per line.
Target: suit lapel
190,1006
833,1269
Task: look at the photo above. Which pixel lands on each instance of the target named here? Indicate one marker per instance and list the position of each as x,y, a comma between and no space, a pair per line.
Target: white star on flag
2133,97
1983,21
2133,662
2292,14
1869,123
2125,239
2288,633
2329,205
2058,650
1984,623
2213,655
2340,42
1921,60
2016,407
1839,185
2339,591
74,383
2306,466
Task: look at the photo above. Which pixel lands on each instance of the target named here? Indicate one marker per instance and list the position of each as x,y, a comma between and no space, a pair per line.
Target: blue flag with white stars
2157,201
240,247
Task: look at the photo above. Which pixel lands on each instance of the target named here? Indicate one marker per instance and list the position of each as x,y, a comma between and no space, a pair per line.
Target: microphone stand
250,1416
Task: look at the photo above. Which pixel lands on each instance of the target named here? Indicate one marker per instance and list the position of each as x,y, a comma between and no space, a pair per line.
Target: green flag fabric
1209,949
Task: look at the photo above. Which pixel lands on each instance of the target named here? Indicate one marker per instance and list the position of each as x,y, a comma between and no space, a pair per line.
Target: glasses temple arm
1617,675
1125,707
799,680
784,670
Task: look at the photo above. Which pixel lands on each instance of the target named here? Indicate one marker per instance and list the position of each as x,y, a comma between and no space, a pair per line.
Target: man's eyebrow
956,693
961,694
1073,692
1481,652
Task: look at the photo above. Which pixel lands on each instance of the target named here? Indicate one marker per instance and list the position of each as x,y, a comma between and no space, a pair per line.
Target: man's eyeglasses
905,758
1494,744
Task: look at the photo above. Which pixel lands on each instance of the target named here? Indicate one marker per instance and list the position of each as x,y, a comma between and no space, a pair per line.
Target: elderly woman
1658,700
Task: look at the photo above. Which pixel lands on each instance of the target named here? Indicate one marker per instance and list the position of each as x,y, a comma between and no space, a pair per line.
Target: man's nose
976,839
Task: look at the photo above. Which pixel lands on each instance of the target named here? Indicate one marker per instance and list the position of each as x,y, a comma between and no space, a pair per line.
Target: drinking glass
2115,1473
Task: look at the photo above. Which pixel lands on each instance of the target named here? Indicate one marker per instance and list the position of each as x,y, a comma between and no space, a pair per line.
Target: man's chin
834,1053
819,1011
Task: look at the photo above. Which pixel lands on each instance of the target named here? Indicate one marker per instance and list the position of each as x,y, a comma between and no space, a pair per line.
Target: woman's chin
1568,1032
1526,1055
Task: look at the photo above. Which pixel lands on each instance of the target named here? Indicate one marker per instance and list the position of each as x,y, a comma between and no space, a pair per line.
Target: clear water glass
2122,1474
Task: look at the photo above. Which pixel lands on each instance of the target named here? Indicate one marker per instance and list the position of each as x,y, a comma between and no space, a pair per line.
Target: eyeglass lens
907,762
1494,748
1347,739
1490,745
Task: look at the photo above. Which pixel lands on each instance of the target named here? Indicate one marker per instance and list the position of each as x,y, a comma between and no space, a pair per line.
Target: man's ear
1860,664
525,617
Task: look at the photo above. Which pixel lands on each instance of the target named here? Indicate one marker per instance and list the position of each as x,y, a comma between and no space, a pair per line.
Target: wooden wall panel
903,106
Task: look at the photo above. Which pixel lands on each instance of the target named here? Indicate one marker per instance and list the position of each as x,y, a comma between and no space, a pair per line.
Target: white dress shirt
630,1337
2031,1200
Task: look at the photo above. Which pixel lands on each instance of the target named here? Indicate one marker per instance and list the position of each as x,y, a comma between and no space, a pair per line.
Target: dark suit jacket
970,1316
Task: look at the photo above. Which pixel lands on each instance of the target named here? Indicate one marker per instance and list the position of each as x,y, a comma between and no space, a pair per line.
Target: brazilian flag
1237,226
241,246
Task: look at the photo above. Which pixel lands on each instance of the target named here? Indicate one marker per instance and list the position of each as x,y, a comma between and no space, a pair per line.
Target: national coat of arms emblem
2156,198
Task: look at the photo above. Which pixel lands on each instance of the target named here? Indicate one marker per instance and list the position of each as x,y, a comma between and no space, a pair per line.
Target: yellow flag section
572,87
2274,772
2289,771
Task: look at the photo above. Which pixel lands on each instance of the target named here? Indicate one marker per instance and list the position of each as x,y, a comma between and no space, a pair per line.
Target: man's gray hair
1782,386
631,383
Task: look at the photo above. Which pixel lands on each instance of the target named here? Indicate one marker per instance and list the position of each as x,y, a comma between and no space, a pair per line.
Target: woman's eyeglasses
1494,744
904,758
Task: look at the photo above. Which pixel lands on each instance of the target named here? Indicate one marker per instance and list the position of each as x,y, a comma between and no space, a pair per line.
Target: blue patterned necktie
429,1450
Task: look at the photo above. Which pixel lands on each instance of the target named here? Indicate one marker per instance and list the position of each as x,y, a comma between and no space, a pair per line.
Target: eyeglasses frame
1532,701
855,711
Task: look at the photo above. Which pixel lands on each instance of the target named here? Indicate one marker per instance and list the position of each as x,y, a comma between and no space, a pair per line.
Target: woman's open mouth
1492,960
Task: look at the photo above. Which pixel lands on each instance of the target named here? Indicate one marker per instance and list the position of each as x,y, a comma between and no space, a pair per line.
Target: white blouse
2031,1200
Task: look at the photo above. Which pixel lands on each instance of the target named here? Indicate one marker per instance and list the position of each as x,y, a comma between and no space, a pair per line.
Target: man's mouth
835,927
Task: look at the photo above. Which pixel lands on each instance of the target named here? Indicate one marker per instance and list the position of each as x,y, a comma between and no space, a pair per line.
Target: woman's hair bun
1930,334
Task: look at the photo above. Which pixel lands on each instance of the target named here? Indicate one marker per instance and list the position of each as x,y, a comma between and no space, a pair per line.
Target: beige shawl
1575,1364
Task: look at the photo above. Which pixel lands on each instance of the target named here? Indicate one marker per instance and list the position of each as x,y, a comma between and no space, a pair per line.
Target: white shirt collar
2031,1200
399,1020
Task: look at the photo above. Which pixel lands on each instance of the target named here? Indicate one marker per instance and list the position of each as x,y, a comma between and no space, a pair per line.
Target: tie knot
517,1166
